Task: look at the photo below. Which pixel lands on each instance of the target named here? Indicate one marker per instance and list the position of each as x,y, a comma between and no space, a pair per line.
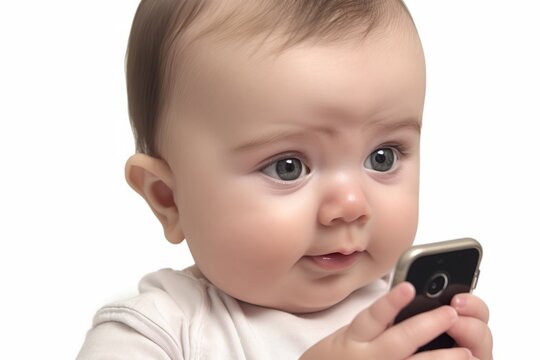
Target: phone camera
436,284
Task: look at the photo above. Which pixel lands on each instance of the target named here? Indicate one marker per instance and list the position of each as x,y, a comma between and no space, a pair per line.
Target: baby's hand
471,329
369,337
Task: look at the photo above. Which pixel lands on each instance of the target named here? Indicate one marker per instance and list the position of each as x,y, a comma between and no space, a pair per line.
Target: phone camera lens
436,285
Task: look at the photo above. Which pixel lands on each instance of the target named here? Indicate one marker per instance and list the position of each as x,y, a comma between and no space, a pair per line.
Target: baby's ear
153,179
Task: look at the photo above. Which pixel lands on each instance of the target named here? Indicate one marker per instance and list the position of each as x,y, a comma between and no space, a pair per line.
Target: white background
73,236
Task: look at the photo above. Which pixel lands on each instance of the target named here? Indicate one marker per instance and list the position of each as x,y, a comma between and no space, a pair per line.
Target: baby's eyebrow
270,138
389,126
281,135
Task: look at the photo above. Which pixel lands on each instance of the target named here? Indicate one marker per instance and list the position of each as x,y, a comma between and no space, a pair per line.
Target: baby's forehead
234,38
268,28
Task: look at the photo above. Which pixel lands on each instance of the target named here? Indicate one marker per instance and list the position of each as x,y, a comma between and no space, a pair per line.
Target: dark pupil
289,169
382,160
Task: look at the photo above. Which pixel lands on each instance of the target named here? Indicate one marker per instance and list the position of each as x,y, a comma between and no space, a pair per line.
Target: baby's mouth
335,261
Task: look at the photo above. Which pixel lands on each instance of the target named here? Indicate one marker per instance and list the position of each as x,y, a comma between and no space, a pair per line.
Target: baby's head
280,139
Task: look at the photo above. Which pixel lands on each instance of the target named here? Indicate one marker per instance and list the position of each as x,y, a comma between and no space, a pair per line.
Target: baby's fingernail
451,313
407,288
459,302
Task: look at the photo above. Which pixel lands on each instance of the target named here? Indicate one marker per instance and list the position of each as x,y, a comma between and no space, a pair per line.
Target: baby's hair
163,29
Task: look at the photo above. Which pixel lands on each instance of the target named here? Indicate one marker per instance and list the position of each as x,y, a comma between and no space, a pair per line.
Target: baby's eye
381,160
287,169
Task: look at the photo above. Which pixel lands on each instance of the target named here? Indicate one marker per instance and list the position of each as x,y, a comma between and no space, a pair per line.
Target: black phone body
438,271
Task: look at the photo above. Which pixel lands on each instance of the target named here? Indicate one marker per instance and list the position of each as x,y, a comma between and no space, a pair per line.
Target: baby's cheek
395,234
270,240
267,246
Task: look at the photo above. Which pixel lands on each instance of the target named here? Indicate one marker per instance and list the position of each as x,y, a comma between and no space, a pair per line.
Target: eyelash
402,150
283,156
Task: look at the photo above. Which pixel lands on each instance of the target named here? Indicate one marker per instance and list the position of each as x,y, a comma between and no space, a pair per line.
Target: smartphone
438,271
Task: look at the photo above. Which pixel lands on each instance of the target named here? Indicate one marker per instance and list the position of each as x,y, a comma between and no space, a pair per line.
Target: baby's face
296,175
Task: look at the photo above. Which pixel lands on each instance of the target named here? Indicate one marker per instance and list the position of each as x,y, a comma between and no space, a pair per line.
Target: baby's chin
309,308
307,305
321,301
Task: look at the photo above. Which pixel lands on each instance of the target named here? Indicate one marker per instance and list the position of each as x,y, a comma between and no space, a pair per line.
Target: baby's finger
403,339
470,305
374,320
444,354
473,334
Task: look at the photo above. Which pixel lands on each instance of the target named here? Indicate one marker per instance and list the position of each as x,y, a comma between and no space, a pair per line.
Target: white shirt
180,315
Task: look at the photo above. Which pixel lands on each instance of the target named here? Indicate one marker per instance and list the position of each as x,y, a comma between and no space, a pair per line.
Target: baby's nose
343,201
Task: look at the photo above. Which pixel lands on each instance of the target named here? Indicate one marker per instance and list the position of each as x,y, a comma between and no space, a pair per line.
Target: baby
280,139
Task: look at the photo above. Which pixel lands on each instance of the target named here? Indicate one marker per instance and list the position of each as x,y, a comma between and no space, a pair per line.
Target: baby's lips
335,261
